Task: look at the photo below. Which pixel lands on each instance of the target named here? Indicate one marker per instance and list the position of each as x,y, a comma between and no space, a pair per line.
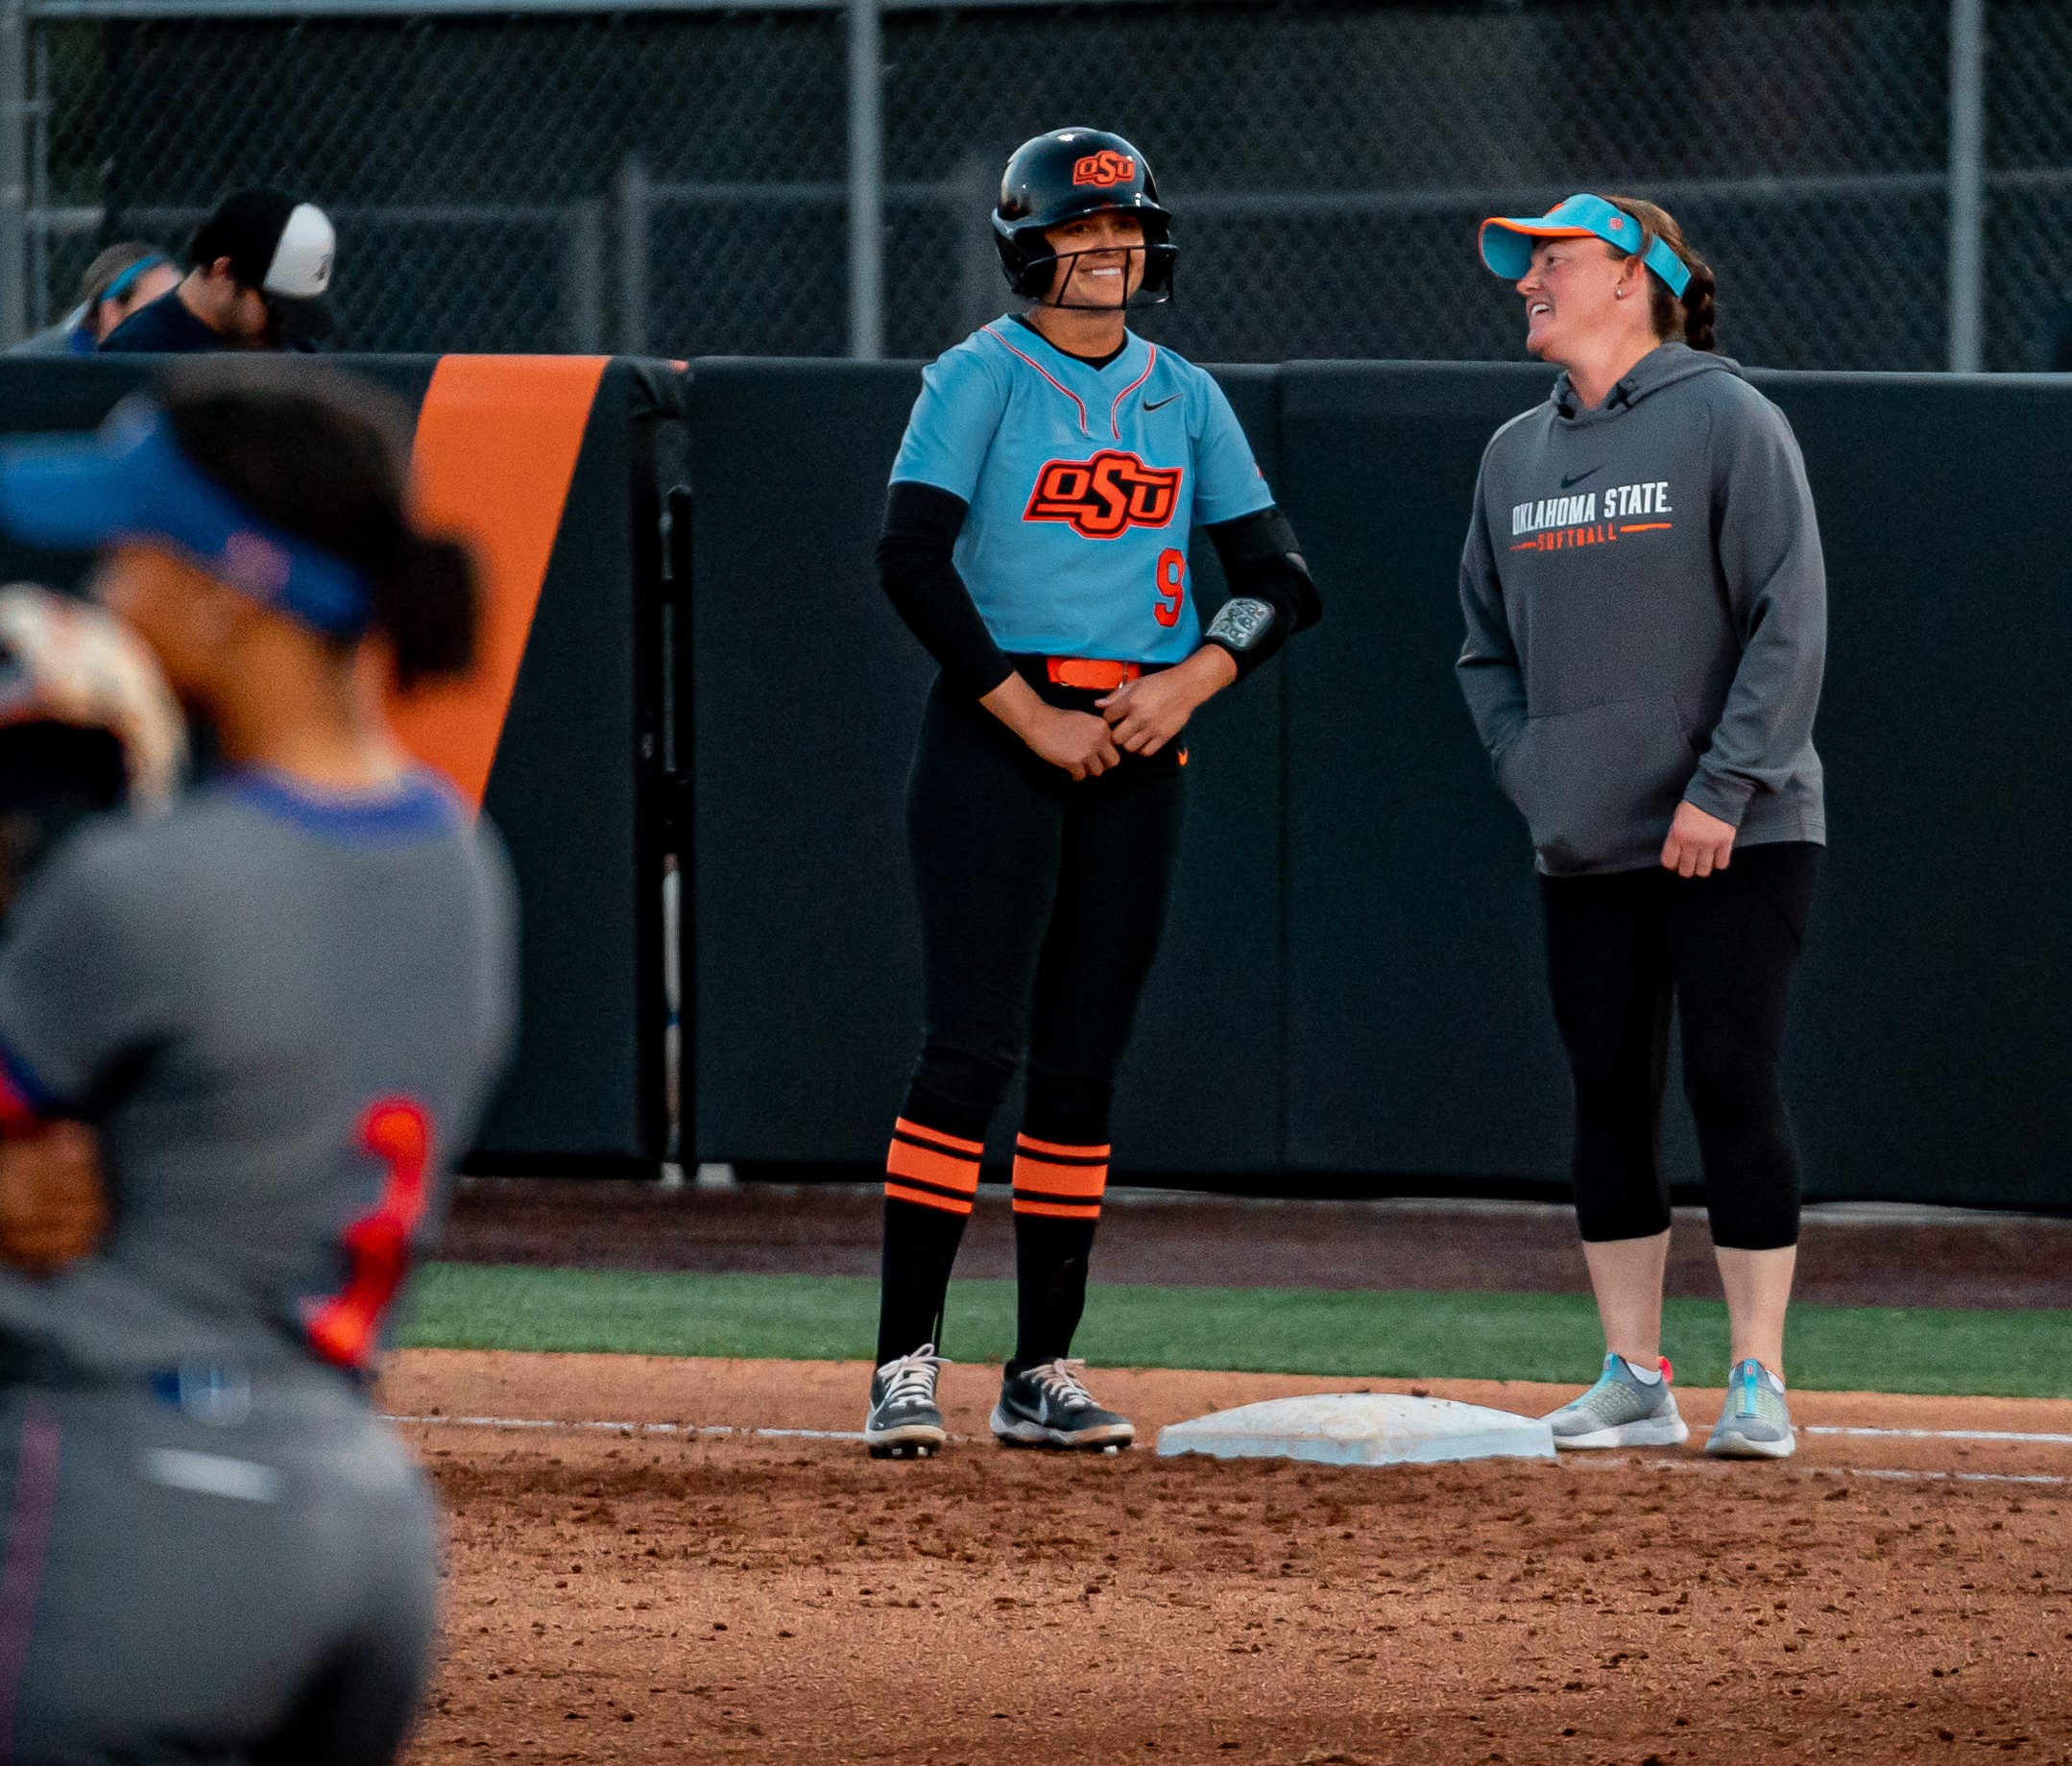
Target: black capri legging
1041,903
1620,950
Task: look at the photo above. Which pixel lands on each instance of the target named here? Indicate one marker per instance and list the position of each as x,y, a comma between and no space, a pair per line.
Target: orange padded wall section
497,445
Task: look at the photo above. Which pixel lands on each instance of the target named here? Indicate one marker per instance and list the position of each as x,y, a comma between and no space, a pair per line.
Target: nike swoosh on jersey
1149,405
1579,477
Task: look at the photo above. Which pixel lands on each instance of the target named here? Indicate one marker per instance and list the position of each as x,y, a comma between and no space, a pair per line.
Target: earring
1618,294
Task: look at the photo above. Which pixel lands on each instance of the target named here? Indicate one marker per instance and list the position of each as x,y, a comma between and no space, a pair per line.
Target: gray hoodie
1647,614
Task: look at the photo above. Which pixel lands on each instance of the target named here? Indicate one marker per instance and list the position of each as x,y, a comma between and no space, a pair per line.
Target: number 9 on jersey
1171,586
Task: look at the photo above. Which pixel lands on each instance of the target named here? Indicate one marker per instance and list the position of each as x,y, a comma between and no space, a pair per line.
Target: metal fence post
14,173
866,181
40,294
969,196
585,299
1968,181
634,201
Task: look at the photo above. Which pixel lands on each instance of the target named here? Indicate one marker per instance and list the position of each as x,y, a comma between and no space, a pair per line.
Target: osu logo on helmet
1104,168
1106,496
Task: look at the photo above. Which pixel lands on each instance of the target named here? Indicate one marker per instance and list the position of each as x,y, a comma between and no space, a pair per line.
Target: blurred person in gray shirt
241,1043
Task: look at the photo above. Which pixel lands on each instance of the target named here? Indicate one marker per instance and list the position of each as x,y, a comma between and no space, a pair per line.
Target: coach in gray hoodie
1645,611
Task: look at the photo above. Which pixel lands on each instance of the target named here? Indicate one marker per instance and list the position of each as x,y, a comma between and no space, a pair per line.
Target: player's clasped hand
1078,742
1147,713
1698,844
52,1208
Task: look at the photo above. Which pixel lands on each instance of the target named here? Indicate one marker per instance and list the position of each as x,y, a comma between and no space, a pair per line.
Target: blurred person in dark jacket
260,266
118,281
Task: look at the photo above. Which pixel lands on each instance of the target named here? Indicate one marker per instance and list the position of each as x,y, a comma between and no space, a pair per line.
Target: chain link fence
675,181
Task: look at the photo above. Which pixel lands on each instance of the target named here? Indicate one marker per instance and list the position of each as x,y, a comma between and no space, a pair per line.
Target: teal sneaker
1621,1412
1756,1422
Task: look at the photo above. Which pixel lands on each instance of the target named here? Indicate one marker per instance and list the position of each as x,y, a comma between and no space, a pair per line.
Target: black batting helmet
1063,176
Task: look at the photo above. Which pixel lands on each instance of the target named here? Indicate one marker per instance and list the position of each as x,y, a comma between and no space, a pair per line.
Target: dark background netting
673,183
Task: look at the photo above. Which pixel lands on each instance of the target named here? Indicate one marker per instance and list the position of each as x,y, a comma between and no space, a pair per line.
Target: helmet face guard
1069,174
1032,267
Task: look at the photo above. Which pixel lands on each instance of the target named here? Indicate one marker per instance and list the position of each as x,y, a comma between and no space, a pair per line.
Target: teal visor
1507,242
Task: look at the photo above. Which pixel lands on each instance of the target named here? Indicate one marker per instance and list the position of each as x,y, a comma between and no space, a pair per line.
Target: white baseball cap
282,247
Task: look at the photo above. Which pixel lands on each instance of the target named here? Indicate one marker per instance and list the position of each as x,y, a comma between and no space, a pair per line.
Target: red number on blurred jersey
1171,587
345,1328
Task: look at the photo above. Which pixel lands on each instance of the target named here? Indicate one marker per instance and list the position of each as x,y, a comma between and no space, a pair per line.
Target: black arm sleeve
1263,563
920,578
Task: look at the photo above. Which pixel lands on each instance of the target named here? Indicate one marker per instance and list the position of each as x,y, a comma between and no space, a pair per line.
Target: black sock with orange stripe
1051,1266
931,1180
921,1246
1061,1174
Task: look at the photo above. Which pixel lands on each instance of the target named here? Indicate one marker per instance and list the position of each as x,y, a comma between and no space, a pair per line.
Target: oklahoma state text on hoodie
1647,613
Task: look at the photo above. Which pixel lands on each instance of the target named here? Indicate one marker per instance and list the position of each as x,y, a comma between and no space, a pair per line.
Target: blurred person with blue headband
120,280
241,1044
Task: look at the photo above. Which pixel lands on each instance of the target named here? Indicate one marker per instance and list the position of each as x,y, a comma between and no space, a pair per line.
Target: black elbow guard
1261,552
1272,596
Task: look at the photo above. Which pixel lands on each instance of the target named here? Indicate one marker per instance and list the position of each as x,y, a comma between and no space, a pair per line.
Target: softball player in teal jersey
1036,542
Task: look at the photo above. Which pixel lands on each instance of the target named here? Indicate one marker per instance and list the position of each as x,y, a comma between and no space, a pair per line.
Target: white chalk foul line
1716,1468
632,1428
1570,1462
1943,1435
857,1434
1950,1477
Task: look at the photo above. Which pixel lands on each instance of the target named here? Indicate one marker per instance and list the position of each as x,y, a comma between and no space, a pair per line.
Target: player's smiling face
1570,293
1101,260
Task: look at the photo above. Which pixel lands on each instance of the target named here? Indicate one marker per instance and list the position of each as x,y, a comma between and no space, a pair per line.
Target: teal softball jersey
1083,485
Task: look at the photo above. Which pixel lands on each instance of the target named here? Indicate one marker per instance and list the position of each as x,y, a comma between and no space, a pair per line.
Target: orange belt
1091,672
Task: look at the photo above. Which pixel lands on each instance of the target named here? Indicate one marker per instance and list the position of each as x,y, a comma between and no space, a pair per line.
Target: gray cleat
905,1421
1049,1406
1755,1423
1621,1412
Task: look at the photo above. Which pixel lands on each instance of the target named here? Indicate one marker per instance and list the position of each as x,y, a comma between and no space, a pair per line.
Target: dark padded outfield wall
806,694
1352,983
1934,1015
550,465
1935,1027
805,988
1418,1034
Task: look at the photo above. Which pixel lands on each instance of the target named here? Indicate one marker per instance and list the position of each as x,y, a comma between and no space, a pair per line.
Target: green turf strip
1267,1330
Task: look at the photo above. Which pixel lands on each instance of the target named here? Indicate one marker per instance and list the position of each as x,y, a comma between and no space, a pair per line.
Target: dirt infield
650,1596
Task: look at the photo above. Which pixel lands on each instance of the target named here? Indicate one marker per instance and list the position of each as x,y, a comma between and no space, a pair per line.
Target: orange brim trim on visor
1507,240
1512,254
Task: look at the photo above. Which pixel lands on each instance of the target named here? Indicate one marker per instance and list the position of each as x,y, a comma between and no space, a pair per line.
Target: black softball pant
1620,950
1042,903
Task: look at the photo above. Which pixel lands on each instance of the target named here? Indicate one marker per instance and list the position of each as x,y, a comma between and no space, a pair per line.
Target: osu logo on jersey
1102,497
1104,168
